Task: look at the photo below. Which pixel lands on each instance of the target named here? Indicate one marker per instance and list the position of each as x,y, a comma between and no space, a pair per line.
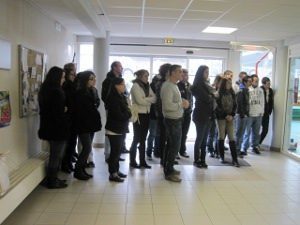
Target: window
86,57
157,62
215,67
263,60
131,65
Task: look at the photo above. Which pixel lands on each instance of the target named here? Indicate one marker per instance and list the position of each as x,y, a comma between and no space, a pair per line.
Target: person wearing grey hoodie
256,111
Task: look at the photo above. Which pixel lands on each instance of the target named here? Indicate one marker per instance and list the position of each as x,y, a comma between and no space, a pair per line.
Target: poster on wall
5,55
32,70
5,109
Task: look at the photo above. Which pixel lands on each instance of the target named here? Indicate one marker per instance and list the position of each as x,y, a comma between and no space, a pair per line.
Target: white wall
21,23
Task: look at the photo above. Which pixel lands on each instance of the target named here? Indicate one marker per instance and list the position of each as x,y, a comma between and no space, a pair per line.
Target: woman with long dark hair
54,123
142,97
88,120
226,107
203,113
118,115
69,88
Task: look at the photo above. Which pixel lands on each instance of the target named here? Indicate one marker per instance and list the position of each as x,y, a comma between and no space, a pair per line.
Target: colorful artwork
5,110
32,70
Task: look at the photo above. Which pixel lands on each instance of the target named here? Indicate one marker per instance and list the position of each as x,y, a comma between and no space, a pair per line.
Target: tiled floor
268,192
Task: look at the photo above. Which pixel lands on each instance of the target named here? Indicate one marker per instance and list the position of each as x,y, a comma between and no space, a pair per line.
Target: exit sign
169,41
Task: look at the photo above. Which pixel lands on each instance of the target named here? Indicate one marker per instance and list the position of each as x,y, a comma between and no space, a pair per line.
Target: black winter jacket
204,105
269,106
54,120
118,113
185,91
88,118
106,87
242,100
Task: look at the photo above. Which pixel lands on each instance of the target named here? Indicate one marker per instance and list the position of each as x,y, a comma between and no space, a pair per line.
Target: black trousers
56,153
162,138
140,130
185,129
70,148
116,142
265,127
86,142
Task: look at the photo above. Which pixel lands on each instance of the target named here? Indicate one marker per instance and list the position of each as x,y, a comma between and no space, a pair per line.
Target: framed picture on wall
31,75
5,55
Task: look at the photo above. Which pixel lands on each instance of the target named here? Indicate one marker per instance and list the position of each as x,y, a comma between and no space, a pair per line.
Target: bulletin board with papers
32,70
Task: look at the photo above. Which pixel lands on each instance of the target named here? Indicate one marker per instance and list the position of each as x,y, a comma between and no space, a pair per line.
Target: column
233,63
280,89
101,67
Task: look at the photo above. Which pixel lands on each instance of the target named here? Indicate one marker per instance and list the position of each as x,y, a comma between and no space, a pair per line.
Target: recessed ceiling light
219,30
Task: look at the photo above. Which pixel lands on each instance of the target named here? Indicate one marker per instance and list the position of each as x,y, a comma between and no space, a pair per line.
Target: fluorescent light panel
219,30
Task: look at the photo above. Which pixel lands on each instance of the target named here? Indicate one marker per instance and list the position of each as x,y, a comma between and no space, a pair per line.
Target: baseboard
23,181
275,149
98,145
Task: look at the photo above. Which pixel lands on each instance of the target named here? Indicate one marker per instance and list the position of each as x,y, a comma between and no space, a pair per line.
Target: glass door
292,134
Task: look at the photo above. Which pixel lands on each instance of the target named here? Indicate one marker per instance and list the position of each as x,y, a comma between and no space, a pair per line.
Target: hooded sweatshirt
256,101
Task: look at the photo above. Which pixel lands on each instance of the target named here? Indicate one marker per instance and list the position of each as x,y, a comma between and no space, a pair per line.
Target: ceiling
256,20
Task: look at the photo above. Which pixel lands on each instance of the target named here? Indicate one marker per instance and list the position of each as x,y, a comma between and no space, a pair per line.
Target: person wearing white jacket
256,111
142,97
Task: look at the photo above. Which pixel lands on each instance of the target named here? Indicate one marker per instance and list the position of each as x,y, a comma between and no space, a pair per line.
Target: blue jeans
212,138
240,124
173,133
202,129
151,137
252,128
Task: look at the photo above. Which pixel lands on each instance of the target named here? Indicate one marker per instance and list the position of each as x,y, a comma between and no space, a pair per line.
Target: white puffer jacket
139,99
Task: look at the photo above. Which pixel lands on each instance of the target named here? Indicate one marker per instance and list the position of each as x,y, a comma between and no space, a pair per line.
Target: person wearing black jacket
203,113
69,88
185,90
269,106
154,135
54,123
226,107
118,115
88,120
242,112
163,73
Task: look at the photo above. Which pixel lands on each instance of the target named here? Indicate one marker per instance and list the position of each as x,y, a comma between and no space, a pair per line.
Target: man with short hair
228,74
236,86
185,90
172,108
242,112
116,70
256,111
269,105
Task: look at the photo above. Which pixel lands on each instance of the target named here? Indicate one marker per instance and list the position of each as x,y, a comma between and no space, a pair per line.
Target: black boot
234,154
221,151
80,174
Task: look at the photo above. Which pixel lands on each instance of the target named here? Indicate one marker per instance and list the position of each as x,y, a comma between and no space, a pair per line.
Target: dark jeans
140,130
212,137
56,153
202,129
116,142
70,149
162,137
174,133
152,137
265,127
86,142
185,129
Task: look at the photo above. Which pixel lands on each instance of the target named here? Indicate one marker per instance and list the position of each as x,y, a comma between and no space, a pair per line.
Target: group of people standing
164,109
